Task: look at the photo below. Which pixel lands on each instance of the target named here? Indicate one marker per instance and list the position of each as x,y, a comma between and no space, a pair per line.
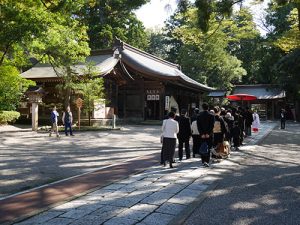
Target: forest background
217,43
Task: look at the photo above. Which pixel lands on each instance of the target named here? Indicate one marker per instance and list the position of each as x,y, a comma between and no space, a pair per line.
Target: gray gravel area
262,189
29,159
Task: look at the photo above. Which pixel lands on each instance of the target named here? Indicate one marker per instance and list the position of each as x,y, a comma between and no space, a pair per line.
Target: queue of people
215,132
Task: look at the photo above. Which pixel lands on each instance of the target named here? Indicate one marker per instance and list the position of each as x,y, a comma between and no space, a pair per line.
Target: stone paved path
263,189
153,197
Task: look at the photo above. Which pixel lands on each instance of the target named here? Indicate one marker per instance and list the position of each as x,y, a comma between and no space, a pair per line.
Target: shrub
8,116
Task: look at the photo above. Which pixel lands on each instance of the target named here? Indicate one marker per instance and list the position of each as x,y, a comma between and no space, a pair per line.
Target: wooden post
79,103
79,111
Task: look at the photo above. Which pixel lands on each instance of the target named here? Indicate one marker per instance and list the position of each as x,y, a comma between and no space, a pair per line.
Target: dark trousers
186,143
68,126
196,144
282,123
241,136
205,158
248,130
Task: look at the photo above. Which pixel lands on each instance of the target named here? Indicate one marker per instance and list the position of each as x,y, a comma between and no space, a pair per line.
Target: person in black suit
205,124
184,134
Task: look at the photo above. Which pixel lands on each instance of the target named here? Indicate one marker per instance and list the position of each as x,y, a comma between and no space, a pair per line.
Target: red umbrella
241,97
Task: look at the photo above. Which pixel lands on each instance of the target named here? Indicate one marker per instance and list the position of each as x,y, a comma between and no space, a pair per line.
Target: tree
204,56
110,19
12,87
46,30
91,87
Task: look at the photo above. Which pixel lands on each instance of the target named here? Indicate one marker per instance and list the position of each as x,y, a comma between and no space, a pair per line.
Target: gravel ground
264,189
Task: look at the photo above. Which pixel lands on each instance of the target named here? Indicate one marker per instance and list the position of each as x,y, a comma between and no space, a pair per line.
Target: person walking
170,128
184,135
196,138
256,122
282,118
67,119
195,115
248,121
205,125
219,130
54,119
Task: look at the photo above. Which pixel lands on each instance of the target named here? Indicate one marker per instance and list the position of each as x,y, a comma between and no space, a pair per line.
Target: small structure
35,95
217,95
270,98
138,85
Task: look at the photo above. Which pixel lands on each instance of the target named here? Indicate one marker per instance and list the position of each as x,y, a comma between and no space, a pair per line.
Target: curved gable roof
153,66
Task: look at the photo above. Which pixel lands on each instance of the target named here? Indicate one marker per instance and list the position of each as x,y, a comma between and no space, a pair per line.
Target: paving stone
133,214
91,220
163,183
185,197
90,207
125,202
115,186
120,221
157,219
70,205
184,181
157,198
128,189
101,192
75,214
139,184
198,186
144,207
41,218
108,211
91,198
150,188
171,208
173,188
60,221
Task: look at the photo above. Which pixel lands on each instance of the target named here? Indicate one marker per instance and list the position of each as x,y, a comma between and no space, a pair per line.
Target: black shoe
194,156
72,135
188,157
171,166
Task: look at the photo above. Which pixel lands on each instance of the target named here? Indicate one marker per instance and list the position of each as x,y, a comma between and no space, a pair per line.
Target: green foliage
39,29
205,56
91,87
8,116
288,73
12,87
110,19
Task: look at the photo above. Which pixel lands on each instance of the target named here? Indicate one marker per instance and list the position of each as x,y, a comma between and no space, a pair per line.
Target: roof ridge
124,45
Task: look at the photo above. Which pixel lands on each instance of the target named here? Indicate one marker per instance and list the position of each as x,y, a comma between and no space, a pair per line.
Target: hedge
8,116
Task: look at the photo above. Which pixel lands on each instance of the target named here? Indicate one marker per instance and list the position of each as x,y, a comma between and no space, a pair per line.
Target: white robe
256,121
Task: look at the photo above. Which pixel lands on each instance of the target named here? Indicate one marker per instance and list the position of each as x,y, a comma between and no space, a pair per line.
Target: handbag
203,148
161,139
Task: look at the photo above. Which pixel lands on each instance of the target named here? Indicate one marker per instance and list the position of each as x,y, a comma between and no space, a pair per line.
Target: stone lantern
35,95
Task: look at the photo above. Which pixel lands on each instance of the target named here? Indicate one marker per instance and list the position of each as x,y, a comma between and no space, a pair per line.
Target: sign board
79,102
99,109
156,97
167,102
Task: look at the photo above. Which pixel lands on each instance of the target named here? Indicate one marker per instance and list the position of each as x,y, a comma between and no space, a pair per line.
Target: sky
154,13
